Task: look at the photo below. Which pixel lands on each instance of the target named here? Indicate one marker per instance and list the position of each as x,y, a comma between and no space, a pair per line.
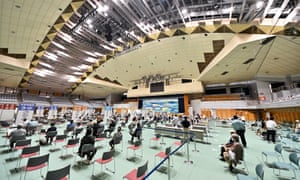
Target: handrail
162,161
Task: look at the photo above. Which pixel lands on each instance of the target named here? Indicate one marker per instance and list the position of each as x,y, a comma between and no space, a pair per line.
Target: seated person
31,127
227,145
87,139
137,132
51,128
70,127
234,154
15,133
77,129
131,127
98,128
111,128
116,136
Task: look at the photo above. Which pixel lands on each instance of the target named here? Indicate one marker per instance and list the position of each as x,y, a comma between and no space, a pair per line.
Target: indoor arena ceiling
97,47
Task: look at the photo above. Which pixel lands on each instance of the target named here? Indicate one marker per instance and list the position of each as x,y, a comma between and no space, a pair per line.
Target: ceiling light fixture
58,45
51,56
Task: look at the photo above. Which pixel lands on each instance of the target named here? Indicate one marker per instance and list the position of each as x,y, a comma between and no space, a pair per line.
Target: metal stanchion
169,170
188,154
195,148
162,141
188,151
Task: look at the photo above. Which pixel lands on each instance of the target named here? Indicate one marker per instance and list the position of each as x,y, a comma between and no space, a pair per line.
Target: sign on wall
25,111
7,111
52,114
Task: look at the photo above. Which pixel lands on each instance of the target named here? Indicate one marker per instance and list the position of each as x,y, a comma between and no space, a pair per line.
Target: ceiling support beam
291,16
270,2
279,12
242,10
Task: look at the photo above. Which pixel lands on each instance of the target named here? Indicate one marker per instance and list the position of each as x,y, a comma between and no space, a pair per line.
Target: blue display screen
161,105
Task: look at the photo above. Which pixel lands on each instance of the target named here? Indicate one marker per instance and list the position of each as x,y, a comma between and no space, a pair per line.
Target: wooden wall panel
289,115
229,113
186,104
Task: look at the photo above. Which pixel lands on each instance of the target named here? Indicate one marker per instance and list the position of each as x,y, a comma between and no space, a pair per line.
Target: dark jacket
89,139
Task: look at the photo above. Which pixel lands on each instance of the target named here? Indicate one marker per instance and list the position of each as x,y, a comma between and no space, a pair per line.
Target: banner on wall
7,111
79,112
40,111
52,114
25,111
107,112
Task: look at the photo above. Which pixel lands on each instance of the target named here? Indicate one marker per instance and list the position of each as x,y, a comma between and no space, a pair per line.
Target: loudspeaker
180,104
140,104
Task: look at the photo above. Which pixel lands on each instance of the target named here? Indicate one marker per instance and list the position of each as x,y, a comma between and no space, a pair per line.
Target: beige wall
186,88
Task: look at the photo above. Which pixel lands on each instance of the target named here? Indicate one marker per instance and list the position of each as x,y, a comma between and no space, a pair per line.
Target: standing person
271,129
185,123
239,127
87,139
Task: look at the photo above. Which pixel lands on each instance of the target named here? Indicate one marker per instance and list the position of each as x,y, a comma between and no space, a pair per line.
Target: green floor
203,162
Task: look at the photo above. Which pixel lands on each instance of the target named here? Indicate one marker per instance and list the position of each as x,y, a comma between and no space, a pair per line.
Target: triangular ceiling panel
162,35
179,32
76,4
52,36
224,29
199,29
68,9
253,30
292,31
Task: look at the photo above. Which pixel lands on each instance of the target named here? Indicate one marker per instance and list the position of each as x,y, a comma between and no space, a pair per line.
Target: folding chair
136,146
4,125
276,153
59,174
162,154
107,157
72,143
86,148
14,139
259,173
20,144
293,165
156,139
51,135
36,163
77,132
58,139
26,153
177,144
118,141
137,174
100,138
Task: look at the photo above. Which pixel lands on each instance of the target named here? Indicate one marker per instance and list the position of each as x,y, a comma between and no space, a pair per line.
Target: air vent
9,69
267,40
225,72
134,87
186,81
249,61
